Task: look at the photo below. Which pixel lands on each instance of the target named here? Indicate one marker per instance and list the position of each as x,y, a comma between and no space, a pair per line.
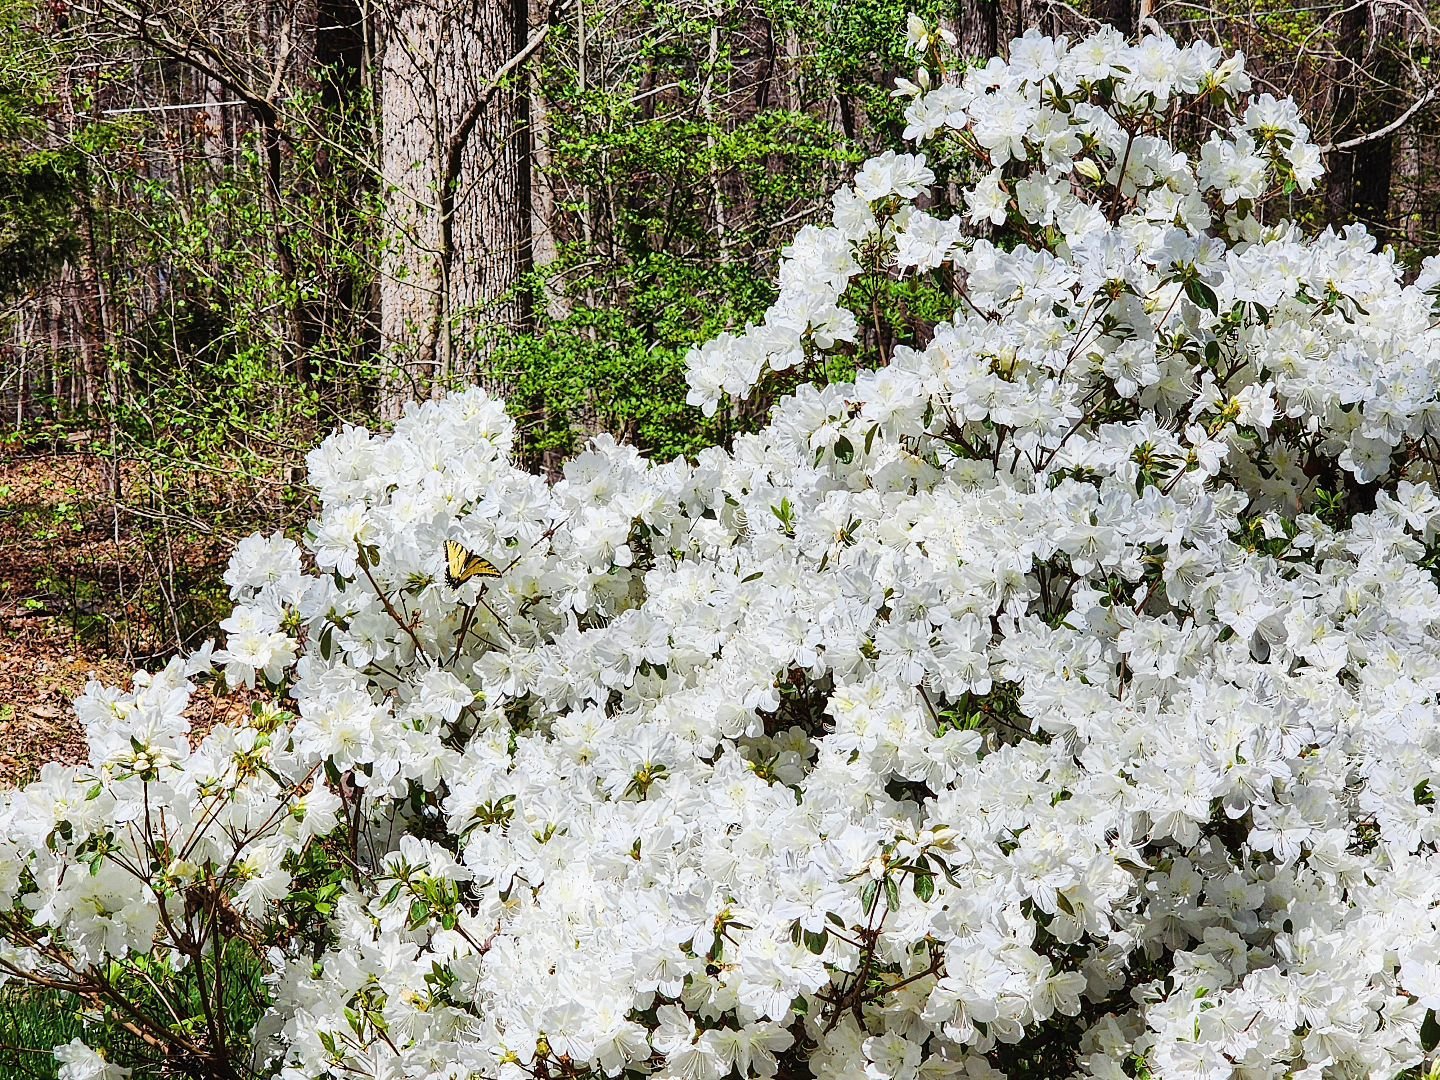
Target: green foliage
260,304
854,49
38,181
33,1021
674,206
36,193
622,369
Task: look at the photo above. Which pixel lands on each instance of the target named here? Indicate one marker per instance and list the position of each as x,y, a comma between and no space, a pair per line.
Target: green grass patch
34,1020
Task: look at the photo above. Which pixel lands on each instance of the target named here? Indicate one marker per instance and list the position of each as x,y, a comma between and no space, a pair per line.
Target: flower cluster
1058,697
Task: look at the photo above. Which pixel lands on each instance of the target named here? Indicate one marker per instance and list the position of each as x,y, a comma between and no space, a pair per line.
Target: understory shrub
1057,697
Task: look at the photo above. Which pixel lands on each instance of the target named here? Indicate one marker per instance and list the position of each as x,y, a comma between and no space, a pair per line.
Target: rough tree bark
1033,15
90,376
1364,100
1410,201
1120,14
979,31
455,161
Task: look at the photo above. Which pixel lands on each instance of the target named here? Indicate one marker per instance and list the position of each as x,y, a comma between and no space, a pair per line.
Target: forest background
228,226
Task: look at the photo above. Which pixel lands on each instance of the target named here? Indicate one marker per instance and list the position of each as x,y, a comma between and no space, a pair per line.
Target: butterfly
462,564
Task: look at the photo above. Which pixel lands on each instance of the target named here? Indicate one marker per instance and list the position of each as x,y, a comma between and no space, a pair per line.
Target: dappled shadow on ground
77,605
131,566
42,670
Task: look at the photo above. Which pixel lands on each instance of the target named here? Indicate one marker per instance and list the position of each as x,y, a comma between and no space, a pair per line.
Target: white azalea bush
1056,698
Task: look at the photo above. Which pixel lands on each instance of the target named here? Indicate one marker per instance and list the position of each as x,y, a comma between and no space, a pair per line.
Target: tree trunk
1120,14
1409,201
1364,99
1034,15
89,302
455,160
979,30
544,215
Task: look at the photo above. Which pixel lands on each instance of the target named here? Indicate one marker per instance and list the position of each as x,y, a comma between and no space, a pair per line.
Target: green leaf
869,895
892,894
1202,295
924,886
1430,1032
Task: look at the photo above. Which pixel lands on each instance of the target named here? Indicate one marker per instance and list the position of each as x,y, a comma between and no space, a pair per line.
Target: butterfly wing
454,563
462,564
478,567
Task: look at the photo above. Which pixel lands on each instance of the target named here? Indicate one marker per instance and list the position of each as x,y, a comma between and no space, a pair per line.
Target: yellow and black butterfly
462,564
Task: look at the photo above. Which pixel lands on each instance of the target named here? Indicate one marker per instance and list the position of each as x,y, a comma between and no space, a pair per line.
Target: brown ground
42,670
76,606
